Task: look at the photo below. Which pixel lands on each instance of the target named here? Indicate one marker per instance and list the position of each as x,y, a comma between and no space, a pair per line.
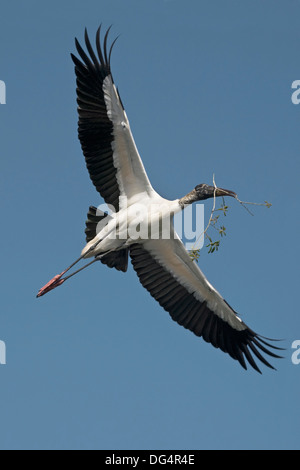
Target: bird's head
204,191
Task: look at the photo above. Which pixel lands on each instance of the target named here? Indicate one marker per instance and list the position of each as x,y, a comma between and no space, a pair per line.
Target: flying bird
163,264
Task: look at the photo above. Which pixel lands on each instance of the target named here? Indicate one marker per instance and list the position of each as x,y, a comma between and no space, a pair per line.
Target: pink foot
55,282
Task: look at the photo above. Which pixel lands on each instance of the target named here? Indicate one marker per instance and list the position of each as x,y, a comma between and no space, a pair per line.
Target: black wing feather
195,316
95,129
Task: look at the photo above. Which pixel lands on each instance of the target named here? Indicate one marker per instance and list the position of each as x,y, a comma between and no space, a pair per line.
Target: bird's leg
81,269
58,281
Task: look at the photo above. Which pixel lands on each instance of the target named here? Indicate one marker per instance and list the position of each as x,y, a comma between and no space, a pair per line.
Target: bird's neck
188,199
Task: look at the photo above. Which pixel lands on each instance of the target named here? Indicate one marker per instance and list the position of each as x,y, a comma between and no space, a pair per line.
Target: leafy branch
214,222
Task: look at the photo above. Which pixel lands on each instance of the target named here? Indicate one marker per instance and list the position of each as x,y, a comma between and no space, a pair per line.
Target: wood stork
163,266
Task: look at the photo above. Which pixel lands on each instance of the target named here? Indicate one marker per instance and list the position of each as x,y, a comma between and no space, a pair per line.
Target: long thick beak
225,192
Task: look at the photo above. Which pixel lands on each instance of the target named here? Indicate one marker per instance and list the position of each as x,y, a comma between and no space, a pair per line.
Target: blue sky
97,364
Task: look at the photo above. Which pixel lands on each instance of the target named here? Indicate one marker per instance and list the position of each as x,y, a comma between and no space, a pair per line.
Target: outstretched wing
112,159
166,270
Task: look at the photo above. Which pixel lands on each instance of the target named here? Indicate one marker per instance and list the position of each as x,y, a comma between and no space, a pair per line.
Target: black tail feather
115,259
94,216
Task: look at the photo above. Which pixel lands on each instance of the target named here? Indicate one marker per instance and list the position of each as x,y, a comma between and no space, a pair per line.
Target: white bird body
140,224
150,217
